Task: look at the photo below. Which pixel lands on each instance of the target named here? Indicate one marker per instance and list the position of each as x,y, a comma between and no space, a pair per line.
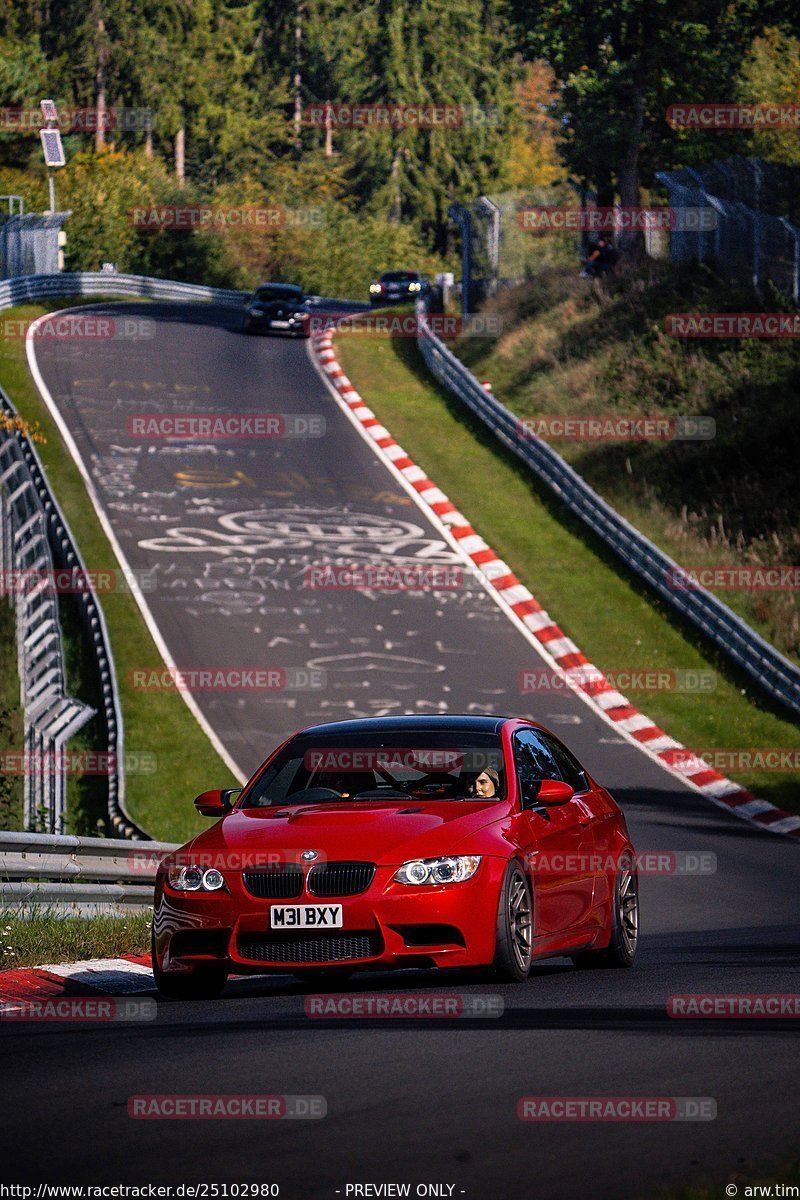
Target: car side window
571,770
534,761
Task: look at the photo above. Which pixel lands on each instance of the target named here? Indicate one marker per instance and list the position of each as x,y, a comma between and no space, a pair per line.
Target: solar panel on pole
52,147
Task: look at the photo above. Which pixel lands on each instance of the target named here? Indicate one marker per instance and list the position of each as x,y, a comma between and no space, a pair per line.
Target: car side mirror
549,792
217,802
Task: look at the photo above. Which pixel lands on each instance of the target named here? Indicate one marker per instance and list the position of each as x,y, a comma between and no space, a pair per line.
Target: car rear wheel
621,949
514,947
201,983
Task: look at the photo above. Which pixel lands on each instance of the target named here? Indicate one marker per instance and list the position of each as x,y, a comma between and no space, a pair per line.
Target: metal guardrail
779,677
57,547
110,283
77,876
145,287
50,715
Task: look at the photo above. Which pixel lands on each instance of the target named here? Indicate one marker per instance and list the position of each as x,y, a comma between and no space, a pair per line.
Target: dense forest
218,102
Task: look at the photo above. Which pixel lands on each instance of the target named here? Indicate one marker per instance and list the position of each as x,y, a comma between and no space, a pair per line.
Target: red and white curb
126,976
610,703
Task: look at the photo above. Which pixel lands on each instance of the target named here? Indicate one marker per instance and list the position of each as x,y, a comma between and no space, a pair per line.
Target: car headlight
453,869
374,288
195,879
413,287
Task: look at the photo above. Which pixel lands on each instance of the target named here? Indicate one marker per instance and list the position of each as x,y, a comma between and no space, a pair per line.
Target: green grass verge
33,938
613,619
158,723
567,351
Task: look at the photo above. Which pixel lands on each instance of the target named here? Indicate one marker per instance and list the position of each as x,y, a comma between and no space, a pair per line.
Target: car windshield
413,765
277,292
400,277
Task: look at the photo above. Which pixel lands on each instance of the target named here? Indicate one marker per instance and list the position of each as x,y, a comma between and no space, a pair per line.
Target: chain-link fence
751,243
29,243
500,248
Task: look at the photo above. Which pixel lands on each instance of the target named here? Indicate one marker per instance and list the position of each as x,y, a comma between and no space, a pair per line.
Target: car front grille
340,878
284,882
314,948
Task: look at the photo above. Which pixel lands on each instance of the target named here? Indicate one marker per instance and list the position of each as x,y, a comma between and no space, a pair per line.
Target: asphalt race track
227,529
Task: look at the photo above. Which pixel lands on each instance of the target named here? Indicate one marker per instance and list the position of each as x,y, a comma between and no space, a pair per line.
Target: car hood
382,833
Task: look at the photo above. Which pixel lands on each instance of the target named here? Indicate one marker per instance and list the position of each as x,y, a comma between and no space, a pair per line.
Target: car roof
294,287
453,722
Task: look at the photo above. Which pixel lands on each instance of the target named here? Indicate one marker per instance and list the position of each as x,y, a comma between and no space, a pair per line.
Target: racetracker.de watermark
79,327
145,862
383,577
227,1108
735,1005
733,116
227,679
617,1108
76,762
74,581
394,758
734,579
733,325
760,758
225,426
226,217
390,115
405,1006
543,219
407,325
618,429
625,679
78,120
647,862
79,1008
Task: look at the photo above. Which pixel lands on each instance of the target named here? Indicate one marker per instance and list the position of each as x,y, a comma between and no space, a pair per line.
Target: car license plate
279,324
306,916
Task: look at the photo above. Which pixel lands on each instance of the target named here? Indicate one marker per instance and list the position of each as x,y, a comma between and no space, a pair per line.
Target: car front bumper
389,925
260,323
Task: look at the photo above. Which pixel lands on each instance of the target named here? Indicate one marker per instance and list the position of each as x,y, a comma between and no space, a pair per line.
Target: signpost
51,146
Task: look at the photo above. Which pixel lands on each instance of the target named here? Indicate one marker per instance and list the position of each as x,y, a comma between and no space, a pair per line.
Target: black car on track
398,287
277,308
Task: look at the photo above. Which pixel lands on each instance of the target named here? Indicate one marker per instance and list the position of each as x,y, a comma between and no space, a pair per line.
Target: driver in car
486,785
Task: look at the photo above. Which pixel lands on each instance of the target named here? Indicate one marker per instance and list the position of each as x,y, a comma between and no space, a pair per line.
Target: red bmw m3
452,841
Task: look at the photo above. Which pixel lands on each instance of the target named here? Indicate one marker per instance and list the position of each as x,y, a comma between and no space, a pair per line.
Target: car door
557,840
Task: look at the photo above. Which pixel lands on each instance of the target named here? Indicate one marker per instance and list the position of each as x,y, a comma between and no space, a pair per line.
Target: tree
771,74
433,52
534,157
622,63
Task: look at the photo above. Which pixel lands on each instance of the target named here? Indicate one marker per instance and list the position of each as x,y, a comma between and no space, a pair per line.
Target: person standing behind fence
601,260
